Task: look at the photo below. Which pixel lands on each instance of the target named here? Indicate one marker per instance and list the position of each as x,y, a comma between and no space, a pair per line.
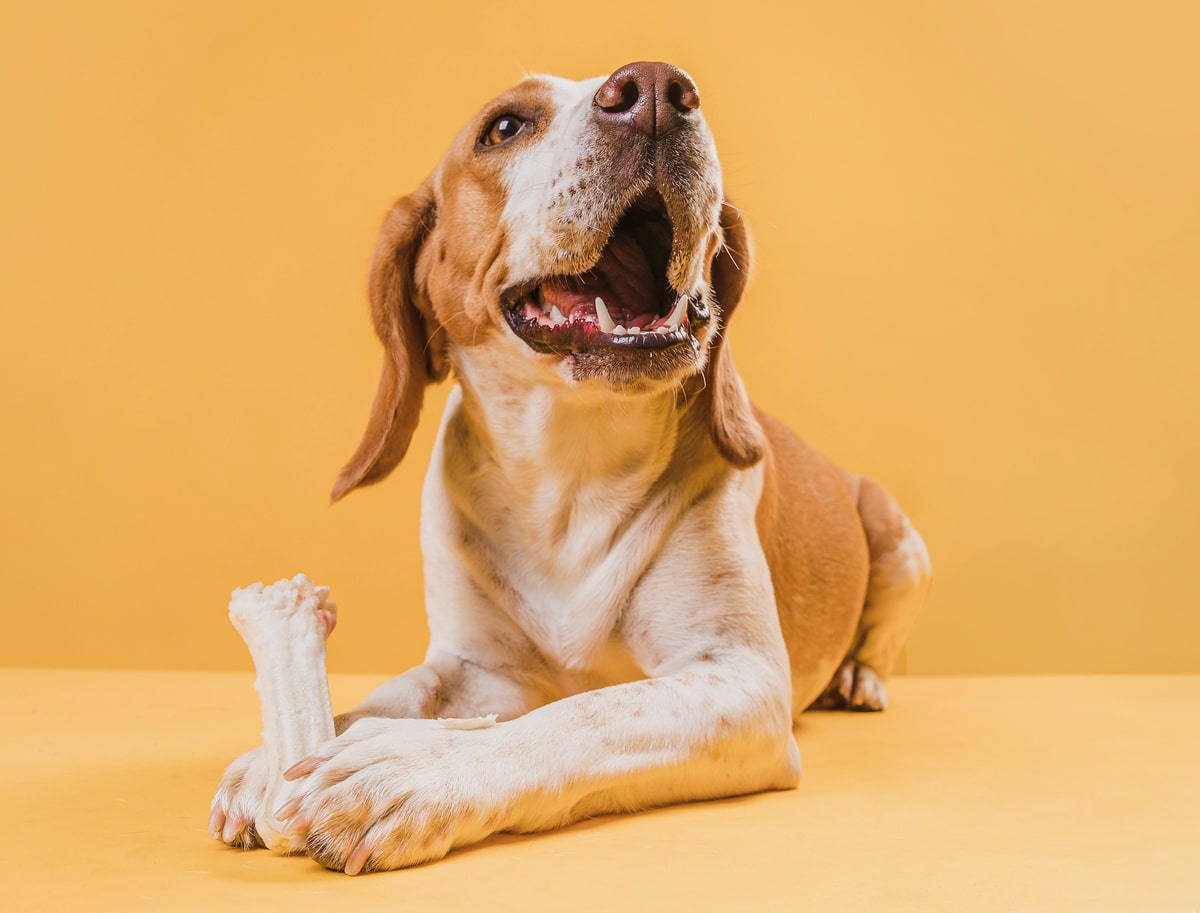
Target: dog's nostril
618,95
683,96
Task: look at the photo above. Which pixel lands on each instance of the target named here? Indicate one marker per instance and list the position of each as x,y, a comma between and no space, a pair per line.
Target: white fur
531,180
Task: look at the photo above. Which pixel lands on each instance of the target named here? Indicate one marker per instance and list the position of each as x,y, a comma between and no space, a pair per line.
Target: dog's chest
563,519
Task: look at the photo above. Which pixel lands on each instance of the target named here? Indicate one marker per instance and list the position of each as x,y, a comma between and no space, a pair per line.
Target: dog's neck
538,430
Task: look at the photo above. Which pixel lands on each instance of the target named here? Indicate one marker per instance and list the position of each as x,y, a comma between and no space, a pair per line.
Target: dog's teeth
619,330
678,313
556,315
662,329
635,329
603,317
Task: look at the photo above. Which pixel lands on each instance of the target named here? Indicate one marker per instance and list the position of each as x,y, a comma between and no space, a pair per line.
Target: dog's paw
854,687
239,801
393,793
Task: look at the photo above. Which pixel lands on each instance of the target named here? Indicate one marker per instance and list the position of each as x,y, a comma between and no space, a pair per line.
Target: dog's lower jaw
621,370
635,373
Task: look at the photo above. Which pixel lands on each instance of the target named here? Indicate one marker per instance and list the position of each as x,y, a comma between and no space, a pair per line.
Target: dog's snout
655,98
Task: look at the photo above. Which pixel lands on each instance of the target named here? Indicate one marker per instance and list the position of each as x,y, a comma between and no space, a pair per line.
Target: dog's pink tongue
623,278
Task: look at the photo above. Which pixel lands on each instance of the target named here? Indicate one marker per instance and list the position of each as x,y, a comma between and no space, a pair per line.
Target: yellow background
978,280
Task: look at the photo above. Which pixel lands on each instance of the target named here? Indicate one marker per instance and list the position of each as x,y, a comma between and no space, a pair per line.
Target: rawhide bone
285,625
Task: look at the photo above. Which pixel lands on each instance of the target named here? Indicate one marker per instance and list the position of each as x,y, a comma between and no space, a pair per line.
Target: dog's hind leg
899,579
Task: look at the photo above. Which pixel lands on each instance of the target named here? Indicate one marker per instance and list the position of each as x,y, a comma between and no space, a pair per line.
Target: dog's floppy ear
735,431
404,323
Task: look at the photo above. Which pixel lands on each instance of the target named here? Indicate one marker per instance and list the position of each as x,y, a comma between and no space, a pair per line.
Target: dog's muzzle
626,300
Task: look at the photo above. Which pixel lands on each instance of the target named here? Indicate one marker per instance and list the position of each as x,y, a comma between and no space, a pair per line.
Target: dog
645,578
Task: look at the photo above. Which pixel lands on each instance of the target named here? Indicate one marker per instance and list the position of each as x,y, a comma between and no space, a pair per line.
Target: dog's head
578,232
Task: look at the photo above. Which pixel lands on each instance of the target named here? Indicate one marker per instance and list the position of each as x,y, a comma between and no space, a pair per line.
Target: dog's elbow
750,723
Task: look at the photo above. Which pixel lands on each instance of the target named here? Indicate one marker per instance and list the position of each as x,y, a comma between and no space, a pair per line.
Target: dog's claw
302,768
289,808
216,823
358,859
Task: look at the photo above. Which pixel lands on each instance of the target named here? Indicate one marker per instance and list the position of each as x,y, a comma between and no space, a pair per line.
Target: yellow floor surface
990,794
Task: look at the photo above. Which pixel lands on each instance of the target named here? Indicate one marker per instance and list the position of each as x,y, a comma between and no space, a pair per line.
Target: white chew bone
475,722
285,625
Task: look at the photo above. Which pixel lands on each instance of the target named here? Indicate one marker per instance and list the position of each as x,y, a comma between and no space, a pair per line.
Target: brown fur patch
813,539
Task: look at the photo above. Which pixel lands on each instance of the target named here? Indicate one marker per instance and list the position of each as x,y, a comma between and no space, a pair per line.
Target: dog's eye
502,129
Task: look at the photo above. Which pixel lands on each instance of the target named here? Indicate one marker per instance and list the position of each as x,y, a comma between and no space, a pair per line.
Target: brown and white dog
645,577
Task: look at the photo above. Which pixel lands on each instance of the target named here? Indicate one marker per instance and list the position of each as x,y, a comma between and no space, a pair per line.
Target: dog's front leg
393,793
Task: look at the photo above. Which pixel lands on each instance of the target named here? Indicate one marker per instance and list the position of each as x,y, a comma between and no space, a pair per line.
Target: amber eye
502,129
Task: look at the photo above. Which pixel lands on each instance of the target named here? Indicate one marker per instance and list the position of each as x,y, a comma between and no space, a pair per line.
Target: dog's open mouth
624,301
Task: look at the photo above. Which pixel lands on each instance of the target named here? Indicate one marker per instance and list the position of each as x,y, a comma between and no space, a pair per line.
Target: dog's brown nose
656,98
